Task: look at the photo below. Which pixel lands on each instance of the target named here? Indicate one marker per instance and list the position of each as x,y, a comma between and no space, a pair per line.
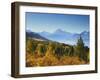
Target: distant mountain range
34,35
61,36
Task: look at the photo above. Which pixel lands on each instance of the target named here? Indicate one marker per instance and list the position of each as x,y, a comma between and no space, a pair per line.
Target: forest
51,53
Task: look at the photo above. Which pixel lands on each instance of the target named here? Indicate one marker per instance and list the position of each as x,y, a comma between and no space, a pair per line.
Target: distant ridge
34,35
62,36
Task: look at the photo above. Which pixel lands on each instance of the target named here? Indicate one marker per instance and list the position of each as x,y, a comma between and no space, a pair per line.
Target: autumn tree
29,45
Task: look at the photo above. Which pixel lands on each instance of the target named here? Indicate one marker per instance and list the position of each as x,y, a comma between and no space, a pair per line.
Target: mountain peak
85,32
59,30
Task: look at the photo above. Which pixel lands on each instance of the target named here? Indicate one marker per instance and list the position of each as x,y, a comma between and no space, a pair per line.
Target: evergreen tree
80,48
71,51
41,49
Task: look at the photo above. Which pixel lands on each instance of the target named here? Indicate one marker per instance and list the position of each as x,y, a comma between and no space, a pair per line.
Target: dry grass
50,60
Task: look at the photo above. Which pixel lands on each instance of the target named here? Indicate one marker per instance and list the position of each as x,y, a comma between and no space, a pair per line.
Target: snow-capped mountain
66,37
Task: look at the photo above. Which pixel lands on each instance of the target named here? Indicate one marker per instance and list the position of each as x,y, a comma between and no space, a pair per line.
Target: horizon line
55,31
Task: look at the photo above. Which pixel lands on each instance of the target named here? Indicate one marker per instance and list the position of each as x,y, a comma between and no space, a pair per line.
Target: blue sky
39,22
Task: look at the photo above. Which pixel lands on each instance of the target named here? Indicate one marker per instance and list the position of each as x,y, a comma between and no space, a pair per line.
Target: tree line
44,48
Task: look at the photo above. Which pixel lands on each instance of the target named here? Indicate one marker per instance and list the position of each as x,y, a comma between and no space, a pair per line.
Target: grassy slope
48,53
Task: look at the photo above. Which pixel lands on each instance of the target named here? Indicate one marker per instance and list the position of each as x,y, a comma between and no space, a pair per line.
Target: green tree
59,51
41,49
80,48
66,50
71,51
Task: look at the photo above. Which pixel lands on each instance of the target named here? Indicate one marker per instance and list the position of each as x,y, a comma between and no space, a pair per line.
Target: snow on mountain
66,37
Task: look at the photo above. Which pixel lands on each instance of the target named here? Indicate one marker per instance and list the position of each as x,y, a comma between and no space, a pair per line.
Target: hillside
30,34
49,53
